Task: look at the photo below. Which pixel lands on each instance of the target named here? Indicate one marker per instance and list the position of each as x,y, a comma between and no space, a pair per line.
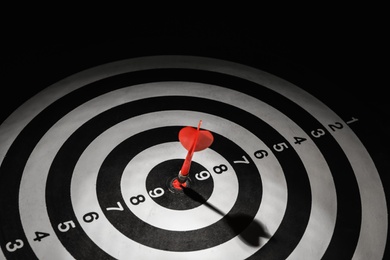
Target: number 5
65,226
280,147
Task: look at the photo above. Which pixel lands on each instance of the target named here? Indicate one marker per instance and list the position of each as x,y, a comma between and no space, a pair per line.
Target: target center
176,186
166,190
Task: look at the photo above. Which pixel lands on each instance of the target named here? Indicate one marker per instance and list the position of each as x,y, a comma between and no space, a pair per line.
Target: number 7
120,207
245,161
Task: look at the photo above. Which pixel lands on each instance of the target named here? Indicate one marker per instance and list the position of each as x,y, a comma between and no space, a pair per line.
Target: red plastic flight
193,140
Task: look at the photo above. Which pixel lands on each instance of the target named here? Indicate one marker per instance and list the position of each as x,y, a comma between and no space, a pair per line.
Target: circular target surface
87,167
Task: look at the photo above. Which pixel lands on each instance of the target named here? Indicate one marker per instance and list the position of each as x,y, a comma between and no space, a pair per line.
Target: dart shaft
187,162
186,165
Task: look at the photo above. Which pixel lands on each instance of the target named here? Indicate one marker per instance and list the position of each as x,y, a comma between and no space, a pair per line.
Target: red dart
193,140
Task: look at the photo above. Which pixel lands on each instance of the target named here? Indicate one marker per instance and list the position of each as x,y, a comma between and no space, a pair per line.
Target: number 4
40,235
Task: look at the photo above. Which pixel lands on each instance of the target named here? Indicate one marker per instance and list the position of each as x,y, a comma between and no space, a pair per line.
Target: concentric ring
320,127
165,103
274,198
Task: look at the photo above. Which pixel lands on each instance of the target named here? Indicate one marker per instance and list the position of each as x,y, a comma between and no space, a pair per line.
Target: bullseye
177,185
161,180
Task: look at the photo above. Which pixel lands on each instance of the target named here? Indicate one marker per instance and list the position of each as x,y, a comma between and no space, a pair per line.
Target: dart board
87,167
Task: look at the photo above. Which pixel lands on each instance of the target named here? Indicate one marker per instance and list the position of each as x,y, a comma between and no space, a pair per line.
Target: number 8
135,200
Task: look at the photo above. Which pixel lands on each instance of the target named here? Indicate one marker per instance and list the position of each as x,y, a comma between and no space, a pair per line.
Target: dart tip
176,184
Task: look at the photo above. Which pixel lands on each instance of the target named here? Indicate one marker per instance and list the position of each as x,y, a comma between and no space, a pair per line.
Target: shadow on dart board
338,77
237,222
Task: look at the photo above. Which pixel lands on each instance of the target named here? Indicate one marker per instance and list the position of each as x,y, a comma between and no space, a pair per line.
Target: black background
340,53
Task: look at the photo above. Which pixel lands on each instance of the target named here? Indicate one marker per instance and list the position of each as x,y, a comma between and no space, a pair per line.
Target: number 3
317,133
12,247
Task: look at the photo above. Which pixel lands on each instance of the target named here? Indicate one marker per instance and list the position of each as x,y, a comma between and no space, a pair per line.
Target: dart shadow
249,230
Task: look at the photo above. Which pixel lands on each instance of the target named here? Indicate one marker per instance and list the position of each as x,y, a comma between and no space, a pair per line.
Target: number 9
157,192
203,175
